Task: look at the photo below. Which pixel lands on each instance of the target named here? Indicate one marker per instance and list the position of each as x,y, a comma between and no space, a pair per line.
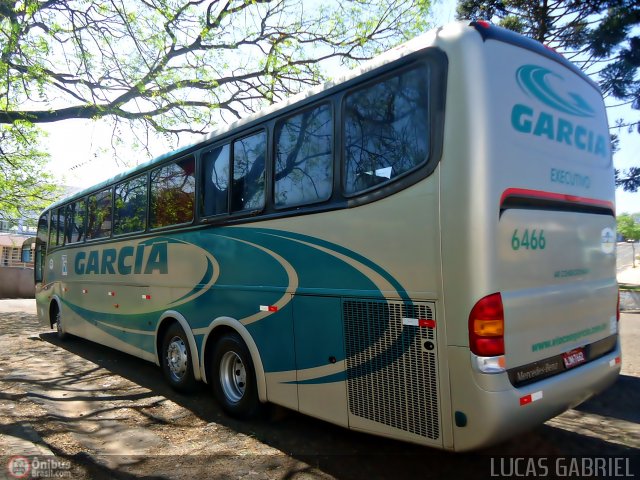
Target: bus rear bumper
495,415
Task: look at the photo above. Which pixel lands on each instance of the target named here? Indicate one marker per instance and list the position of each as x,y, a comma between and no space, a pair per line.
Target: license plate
573,358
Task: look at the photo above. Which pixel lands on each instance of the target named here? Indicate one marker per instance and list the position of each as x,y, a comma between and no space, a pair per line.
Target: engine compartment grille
392,364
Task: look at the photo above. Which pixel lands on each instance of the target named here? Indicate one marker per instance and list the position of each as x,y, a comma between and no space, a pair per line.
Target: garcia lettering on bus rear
536,82
126,260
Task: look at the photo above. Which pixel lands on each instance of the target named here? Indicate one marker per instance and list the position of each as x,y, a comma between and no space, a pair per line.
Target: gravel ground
104,414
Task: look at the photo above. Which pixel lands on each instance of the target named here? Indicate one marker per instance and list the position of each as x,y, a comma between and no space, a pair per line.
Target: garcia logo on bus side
549,89
140,274
126,260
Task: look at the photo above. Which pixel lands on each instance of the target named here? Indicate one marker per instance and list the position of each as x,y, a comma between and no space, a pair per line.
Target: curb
629,300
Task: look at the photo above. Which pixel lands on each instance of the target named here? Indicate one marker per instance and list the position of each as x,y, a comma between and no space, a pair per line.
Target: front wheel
57,319
233,377
177,364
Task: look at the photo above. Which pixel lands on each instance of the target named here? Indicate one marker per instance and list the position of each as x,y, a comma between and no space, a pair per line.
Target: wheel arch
166,319
219,327
53,305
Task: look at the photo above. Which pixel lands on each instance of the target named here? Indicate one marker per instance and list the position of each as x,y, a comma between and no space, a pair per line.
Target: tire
233,377
57,321
176,360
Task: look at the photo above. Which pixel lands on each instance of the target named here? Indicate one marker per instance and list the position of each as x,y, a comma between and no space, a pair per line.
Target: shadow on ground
328,449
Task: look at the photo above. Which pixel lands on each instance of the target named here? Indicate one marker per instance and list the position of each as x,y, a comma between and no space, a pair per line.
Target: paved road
624,255
90,405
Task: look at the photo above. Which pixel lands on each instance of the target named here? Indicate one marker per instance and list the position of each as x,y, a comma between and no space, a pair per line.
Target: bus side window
99,209
76,213
304,158
42,237
130,209
215,181
386,129
173,188
53,229
56,232
248,188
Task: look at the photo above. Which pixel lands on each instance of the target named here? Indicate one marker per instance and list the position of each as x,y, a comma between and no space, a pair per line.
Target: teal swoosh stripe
334,377
533,79
394,350
206,278
110,323
346,252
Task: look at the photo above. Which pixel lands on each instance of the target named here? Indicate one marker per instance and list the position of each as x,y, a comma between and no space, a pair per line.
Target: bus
422,249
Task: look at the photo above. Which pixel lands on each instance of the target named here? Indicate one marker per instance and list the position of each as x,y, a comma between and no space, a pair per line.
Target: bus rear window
386,129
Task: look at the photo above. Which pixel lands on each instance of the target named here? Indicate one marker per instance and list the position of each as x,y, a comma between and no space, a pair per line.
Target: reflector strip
84,290
615,361
111,294
268,308
527,399
146,297
419,322
65,289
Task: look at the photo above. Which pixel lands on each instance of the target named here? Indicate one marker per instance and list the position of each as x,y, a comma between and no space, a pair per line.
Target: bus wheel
233,377
57,318
177,365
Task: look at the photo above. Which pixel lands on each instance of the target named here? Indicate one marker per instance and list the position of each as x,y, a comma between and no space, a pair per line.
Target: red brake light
486,326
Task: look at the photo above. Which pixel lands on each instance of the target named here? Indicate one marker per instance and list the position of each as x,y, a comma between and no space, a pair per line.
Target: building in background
17,247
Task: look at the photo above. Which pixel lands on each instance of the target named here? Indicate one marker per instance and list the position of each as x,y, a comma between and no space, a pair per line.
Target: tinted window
386,129
304,158
99,210
130,212
172,193
53,231
248,172
75,221
215,197
56,233
41,246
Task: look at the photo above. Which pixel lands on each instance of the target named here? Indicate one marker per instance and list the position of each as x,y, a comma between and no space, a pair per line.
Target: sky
81,154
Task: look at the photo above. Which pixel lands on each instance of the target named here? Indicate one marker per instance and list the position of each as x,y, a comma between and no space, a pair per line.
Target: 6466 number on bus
533,240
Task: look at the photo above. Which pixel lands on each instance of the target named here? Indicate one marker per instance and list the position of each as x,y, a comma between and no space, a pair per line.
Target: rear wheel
233,377
177,362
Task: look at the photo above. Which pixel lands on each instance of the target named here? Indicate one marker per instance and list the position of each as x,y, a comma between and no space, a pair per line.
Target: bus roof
486,30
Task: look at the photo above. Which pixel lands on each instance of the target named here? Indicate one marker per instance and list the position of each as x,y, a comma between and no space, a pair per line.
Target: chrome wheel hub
233,377
177,358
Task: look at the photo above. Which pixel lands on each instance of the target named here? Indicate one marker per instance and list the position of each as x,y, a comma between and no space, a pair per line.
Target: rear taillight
486,327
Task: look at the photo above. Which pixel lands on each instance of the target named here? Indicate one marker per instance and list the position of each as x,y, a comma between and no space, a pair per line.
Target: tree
597,36
174,66
26,187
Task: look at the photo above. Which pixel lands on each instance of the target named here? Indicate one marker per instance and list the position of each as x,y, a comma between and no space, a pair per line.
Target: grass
629,287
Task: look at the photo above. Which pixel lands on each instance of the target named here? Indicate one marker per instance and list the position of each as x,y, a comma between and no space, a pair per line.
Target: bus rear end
533,255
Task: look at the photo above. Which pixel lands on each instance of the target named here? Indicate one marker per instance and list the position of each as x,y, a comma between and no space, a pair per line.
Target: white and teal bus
422,249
